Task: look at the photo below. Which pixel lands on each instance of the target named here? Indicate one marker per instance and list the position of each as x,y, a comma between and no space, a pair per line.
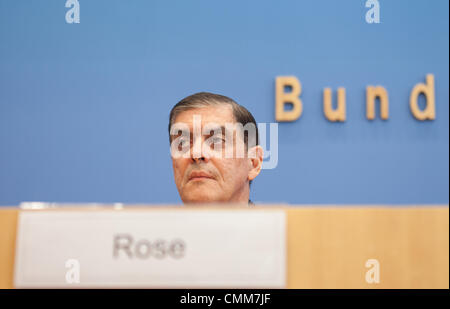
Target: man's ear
255,158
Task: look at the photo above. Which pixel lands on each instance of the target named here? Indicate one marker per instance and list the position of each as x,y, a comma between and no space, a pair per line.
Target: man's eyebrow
223,130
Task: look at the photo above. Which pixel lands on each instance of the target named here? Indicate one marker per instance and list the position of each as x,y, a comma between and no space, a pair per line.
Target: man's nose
197,153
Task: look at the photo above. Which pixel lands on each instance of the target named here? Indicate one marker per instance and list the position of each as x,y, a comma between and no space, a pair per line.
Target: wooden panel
8,226
329,246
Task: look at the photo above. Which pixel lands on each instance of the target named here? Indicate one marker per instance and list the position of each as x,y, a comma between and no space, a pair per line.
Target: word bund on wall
338,114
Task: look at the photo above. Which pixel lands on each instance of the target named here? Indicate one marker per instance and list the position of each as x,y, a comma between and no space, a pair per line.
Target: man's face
202,177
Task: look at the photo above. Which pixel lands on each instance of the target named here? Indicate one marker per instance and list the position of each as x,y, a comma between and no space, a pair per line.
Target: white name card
175,248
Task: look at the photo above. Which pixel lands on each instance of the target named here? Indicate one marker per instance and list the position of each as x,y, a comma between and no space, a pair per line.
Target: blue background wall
84,107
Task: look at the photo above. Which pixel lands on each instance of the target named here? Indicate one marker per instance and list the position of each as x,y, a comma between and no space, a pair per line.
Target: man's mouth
199,176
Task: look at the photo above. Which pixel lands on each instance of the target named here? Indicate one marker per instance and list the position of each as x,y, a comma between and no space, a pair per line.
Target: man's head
206,133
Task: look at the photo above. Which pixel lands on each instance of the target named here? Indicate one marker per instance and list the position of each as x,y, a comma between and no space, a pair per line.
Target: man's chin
199,197
201,192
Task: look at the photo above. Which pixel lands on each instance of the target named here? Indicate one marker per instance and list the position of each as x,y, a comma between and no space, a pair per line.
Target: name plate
175,248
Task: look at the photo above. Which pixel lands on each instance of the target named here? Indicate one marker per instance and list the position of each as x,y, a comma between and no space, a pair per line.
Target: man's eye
217,141
183,142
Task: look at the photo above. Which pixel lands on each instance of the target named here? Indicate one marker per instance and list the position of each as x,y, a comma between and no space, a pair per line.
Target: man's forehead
219,114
